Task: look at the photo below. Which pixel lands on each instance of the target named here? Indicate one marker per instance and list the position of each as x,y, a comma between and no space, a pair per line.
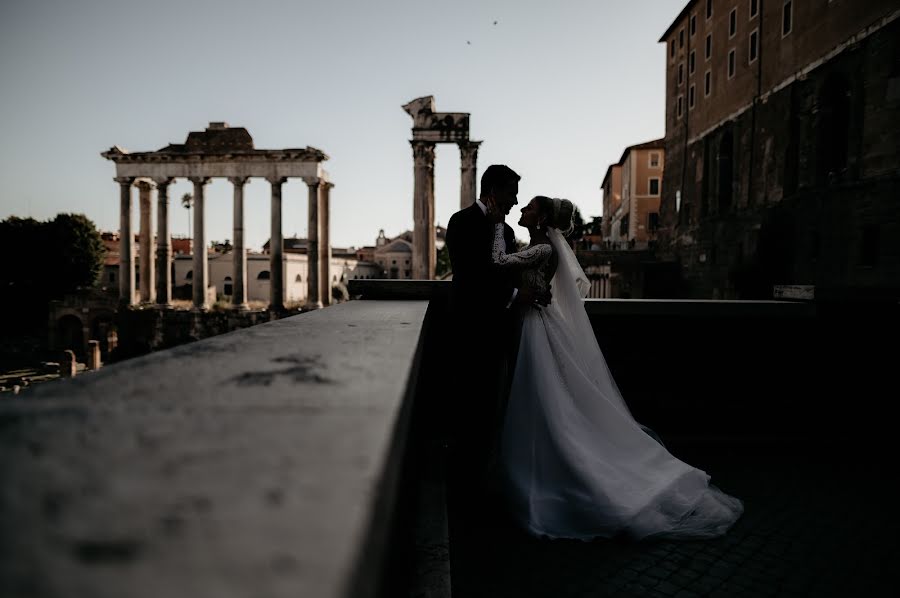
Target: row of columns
424,251
318,252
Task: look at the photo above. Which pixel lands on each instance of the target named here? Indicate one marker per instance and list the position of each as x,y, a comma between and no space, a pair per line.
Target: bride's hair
559,213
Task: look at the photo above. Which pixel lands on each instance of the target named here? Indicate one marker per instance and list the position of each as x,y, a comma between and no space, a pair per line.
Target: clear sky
556,90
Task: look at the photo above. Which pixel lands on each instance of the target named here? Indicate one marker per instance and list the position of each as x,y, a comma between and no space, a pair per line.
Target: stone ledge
260,462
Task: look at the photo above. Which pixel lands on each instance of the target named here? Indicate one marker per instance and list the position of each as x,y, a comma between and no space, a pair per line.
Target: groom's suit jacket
479,290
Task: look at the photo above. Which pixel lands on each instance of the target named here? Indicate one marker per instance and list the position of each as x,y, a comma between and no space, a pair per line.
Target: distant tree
187,202
221,246
578,230
45,260
77,253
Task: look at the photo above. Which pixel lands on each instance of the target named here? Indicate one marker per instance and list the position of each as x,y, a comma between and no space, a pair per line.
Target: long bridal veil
577,463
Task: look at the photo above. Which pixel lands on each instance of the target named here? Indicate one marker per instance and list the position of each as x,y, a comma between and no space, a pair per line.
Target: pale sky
556,90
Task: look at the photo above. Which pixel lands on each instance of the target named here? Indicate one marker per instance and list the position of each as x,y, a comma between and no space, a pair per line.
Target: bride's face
531,216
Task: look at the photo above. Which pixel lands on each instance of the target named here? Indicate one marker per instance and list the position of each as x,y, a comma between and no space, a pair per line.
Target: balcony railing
296,457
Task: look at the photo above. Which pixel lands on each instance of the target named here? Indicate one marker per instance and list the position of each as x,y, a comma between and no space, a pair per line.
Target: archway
70,334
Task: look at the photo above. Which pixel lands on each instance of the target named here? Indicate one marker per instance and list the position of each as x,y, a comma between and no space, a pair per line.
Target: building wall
295,274
799,187
612,198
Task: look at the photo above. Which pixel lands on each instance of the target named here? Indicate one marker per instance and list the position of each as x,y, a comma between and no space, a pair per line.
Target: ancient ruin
429,128
219,151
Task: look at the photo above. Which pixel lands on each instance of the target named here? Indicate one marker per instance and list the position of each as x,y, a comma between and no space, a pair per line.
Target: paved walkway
816,524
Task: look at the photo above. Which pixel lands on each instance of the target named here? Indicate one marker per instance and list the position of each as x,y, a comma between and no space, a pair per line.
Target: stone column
325,242
201,267
239,290
276,249
126,242
163,244
313,296
146,242
424,254
468,170
93,355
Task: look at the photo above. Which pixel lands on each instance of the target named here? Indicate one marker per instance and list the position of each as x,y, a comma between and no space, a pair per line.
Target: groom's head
500,183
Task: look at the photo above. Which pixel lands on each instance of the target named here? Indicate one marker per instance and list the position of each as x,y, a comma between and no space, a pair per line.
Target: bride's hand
493,212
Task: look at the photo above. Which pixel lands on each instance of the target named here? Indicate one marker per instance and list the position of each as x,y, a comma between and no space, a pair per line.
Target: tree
44,261
187,202
76,252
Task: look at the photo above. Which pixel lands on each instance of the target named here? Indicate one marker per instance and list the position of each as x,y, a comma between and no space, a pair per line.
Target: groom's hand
533,297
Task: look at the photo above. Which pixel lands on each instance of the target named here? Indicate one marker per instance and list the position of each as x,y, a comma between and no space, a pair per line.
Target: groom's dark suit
481,333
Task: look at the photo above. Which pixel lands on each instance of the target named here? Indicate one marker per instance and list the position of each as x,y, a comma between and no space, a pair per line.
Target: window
680,108
707,84
654,186
654,160
681,73
189,275
708,9
708,46
264,275
298,278
229,288
681,38
691,62
731,63
732,23
691,97
693,25
787,18
672,48
653,221
754,8
754,45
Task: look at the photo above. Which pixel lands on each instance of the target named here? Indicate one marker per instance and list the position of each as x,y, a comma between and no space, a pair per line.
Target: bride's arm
520,258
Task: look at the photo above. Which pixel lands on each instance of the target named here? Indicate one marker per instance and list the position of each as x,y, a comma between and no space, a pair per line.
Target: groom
484,301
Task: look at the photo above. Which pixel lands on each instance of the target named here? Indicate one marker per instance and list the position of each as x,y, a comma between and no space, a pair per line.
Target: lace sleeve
520,258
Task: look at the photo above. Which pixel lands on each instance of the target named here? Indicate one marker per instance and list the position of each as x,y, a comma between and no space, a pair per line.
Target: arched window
229,288
189,275
298,279
726,172
264,275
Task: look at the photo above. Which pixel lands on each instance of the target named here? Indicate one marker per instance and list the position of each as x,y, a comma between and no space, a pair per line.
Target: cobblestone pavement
817,523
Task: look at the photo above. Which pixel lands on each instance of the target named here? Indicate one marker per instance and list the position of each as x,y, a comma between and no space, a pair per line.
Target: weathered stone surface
256,463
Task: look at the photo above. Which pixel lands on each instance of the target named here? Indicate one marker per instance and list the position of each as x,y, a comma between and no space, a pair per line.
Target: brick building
631,195
781,147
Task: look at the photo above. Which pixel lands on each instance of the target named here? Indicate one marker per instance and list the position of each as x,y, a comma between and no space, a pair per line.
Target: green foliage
76,253
43,261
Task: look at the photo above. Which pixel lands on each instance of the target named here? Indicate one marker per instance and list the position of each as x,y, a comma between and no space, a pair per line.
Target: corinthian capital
468,153
423,153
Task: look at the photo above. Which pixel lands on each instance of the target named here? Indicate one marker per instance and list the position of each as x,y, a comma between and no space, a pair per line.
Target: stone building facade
631,195
781,147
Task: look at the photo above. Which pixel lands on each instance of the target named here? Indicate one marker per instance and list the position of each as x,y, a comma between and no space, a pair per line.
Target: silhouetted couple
537,416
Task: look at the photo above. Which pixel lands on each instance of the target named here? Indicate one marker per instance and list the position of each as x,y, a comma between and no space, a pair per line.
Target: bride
576,463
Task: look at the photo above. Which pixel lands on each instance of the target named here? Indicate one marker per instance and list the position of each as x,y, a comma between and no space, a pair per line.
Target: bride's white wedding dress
576,463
